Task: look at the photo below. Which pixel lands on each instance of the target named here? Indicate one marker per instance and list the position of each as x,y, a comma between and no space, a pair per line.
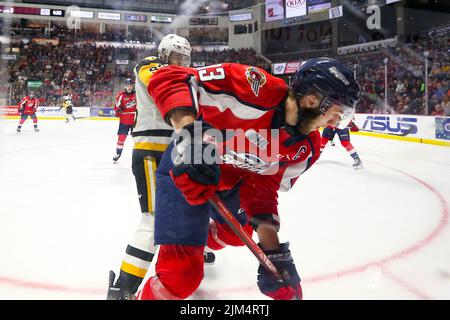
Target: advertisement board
295,8
161,19
32,11
335,12
274,10
82,14
291,67
368,46
102,112
316,6
136,17
278,68
423,127
204,21
50,112
109,16
9,57
241,17
9,111
34,83
442,128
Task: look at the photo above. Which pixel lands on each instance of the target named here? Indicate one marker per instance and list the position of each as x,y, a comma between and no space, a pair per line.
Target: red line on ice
399,255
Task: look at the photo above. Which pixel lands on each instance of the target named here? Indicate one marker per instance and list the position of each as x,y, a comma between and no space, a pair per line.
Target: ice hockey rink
67,213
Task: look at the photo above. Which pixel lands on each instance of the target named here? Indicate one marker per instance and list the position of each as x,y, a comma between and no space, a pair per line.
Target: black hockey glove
117,293
290,288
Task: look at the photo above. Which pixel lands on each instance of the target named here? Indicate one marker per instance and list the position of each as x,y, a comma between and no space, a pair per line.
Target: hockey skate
116,157
358,165
19,130
117,293
209,257
36,130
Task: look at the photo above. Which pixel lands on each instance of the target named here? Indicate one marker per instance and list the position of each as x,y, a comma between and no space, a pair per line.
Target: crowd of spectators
405,78
89,72
78,69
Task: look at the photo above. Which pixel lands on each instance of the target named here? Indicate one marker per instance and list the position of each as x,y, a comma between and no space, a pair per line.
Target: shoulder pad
147,67
148,61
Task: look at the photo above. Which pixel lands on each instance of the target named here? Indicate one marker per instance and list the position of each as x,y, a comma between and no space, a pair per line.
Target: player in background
151,136
125,110
344,136
67,104
27,108
235,96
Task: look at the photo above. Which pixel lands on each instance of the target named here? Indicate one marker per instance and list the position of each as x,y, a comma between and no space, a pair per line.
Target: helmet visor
346,114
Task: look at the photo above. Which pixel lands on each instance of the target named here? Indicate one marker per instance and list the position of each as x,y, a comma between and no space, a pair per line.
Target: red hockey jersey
28,105
249,101
125,107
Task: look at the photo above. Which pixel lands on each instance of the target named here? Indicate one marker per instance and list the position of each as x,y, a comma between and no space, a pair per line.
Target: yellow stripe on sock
135,271
150,168
153,184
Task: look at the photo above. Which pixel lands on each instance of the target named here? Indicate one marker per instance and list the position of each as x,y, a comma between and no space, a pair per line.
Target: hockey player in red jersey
125,109
344,136
27,108
277,127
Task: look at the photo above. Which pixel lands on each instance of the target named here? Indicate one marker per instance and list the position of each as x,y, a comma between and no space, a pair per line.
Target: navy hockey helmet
129,85
332,81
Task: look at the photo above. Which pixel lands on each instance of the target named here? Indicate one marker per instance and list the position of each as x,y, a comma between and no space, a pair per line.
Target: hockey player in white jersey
67,104
151,136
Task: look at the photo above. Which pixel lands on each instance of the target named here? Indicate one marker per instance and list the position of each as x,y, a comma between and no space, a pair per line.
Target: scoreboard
32,11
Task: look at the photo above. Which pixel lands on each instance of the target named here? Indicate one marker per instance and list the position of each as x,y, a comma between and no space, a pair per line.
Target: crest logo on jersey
302,149
256,78
130,104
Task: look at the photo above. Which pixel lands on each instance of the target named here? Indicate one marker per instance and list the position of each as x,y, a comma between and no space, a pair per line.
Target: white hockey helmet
173,43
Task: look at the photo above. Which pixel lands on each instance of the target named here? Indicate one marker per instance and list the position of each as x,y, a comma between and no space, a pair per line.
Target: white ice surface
67,213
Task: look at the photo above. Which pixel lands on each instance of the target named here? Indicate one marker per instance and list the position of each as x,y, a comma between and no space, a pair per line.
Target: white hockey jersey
150,131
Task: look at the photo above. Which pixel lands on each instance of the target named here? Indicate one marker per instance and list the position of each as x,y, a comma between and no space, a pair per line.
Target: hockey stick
239,231
404,134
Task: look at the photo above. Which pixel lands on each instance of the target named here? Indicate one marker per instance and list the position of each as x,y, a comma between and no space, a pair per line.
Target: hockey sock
179,272
139,254
323,143
220,235
120,143
349,147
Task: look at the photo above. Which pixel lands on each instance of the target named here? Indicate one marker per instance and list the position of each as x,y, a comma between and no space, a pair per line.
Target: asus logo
392,125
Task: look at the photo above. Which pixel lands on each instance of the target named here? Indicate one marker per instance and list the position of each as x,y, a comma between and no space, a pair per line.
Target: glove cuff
281,254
